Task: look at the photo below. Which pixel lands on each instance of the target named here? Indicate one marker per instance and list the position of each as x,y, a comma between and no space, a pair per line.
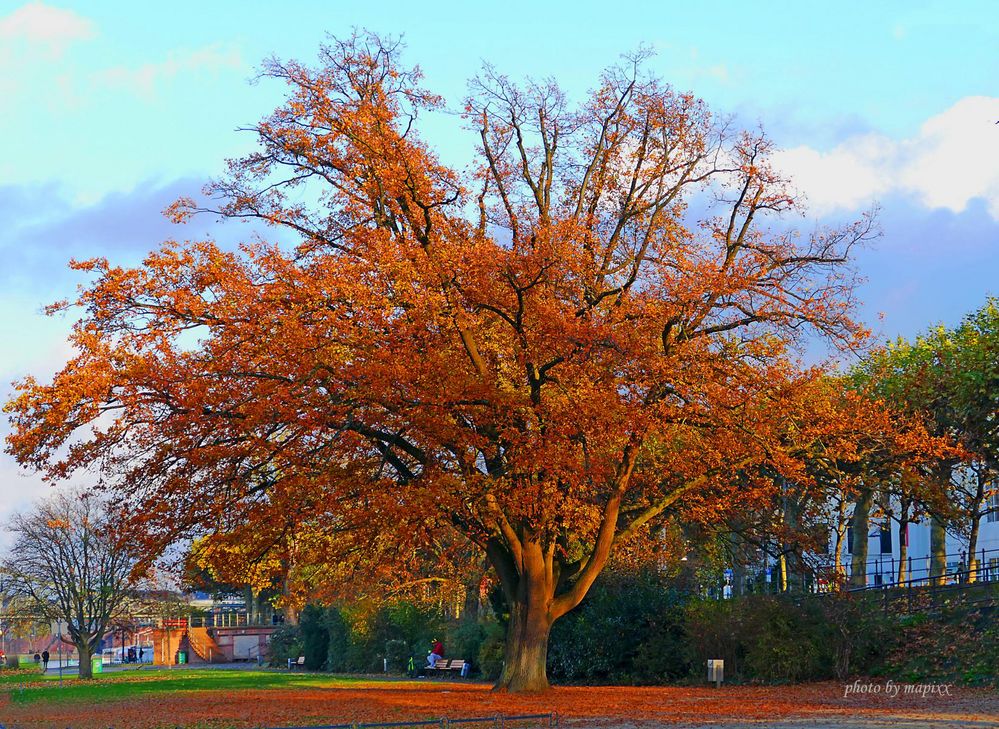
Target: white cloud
40,24
952,160
143,80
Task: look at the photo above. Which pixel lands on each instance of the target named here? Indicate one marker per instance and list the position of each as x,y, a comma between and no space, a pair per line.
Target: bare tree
70,563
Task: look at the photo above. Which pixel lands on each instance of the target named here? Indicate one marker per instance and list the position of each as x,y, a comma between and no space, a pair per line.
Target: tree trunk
526,656
251,605
86,669
903,547
529,589
975,511
938,551
738,576
472,604
860,521
840,539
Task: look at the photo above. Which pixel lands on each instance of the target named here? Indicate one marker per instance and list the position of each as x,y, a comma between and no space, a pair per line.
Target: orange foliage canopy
541,354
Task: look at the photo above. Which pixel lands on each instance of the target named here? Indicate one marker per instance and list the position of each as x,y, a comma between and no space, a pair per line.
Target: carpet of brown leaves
811,704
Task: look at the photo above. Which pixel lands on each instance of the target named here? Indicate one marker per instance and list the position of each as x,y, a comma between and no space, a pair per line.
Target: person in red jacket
436,653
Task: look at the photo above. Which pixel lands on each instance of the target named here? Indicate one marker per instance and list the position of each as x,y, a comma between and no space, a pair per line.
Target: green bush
861,636
467,639
635,627
315,634
285,643
627,629
713,629
491,651
338,643
785,641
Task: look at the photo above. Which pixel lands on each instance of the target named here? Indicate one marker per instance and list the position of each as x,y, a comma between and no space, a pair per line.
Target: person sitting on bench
436,654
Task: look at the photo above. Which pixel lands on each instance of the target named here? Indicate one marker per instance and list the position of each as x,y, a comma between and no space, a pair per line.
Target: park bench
300,663
445,666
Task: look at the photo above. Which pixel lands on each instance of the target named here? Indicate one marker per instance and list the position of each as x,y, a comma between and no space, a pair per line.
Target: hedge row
635,628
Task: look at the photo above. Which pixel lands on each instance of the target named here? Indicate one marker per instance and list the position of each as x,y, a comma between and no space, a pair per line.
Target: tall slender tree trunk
288,607
472,603
860,521
938,530
938,551
738,576
841,524
903,546
976,520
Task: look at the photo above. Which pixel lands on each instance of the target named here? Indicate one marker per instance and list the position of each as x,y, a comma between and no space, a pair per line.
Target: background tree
70,562
536,358
950,379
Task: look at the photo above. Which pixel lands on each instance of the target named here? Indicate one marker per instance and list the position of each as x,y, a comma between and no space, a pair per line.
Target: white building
883,549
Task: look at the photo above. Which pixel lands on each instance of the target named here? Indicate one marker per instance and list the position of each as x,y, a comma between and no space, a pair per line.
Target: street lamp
60,629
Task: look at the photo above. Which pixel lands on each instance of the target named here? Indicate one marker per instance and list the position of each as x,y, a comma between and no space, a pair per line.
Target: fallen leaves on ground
390,701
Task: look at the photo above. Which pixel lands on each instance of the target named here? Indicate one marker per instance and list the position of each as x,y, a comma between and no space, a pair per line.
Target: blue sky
110,110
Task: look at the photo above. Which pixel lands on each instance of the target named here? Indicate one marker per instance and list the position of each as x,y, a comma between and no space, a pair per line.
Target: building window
849,540
886,539
993,513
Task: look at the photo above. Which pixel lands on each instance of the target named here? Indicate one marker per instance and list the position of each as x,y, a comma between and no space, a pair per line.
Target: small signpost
716,671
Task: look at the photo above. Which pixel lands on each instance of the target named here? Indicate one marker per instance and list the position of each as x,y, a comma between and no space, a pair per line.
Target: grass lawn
130,683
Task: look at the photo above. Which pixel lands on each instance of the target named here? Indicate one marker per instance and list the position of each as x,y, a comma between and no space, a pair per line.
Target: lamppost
60,629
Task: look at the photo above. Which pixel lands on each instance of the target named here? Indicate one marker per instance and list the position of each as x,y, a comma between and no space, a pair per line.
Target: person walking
45,660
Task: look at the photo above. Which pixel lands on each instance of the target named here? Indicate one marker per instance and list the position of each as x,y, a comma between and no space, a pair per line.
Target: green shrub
627,629
315,635
491,651
785,641
397,655
285,643
860,635
338,643
467,639
713,629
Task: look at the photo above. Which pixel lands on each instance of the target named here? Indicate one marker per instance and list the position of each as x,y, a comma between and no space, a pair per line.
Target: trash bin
96,664
181,657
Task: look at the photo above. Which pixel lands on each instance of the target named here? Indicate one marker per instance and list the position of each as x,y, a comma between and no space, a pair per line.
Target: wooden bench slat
447,664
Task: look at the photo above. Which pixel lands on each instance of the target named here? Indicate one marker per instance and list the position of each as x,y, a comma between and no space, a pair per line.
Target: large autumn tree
536,356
